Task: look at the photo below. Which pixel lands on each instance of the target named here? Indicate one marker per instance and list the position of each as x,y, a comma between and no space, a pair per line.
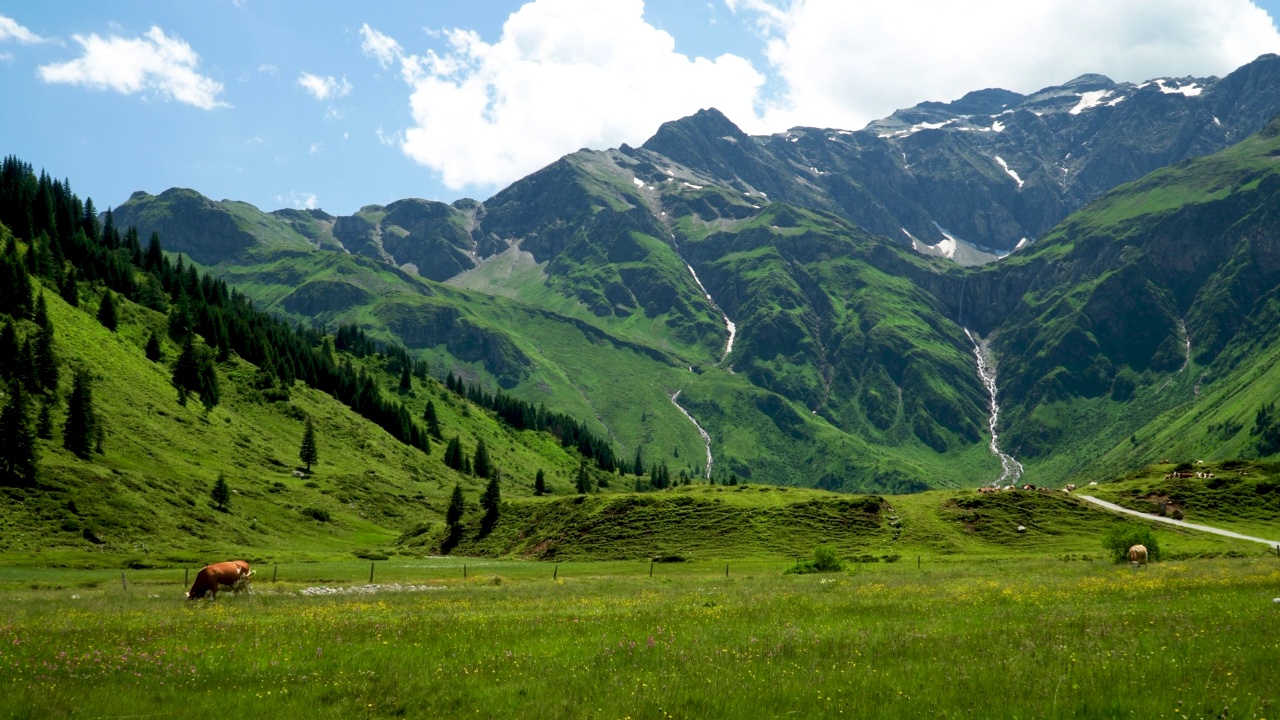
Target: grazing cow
1138,556
1095,482
1071,486
211,578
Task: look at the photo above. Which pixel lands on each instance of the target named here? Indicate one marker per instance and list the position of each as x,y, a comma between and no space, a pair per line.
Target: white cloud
155,62
6,57
564,74
11,30
300,200
268,69
395,138
316,147
843,63
323,88
378,46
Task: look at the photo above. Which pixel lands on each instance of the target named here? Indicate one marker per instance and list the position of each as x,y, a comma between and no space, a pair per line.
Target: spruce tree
10,350
107,314
584,480
69,290
481,465
491,500
42,350
406,383
18,451
207,380
453,516
221,493
153,350
638,465
540,483
25,371
78,432
453,454
186,373
308,452
433,421
44,421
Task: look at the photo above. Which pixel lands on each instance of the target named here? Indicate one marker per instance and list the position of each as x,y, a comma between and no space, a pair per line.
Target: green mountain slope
1143,326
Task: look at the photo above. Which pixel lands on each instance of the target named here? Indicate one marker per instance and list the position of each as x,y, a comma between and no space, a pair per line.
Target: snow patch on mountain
1010,171
1093,98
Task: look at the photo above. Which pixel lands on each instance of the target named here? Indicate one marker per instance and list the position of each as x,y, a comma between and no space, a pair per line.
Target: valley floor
945,638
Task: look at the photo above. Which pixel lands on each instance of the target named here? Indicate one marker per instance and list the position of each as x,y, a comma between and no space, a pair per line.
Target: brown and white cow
234,575
1138,556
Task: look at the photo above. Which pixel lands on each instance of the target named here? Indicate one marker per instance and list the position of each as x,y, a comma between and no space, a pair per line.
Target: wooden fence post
186,577
370,572
917,562
650,568
555,573
726,569
274,570
124,584
464,571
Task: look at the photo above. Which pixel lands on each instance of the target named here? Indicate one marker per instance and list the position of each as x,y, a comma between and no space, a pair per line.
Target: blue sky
338,105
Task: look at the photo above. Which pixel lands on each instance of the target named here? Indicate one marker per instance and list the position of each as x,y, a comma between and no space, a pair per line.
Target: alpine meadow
968,413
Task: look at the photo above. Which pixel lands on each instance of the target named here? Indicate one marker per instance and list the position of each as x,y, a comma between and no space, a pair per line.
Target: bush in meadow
1123,536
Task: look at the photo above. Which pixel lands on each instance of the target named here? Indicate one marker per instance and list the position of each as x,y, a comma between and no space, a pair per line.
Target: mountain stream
1010,469
706,438
732,328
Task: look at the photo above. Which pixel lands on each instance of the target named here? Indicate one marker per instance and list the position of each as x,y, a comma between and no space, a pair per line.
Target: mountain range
810,307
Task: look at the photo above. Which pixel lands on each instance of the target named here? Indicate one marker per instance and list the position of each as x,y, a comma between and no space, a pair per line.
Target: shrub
371,554
316,514
668,559
1123,536
824,560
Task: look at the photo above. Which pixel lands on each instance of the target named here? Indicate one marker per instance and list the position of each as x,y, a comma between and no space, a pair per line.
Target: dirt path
1179,523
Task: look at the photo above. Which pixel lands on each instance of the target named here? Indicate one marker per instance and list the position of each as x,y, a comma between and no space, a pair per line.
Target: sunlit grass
1013,639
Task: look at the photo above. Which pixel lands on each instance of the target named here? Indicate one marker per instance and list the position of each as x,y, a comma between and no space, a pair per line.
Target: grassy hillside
703,523
147,498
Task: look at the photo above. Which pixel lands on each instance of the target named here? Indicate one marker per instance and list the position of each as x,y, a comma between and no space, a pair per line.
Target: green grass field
1010,638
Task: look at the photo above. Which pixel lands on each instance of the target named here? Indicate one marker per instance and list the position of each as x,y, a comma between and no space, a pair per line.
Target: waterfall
1010,469
729,324
706,438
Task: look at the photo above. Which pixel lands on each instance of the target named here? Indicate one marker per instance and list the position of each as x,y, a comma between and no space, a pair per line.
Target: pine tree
433,421
44,421
153,350
107,314
155,258
186,373
25,371
453,456
10,350
18,451
584,480
540,483
453,516
406,383
45,361
78,432
638,465
207,384
69,290
491,500
308,452
481,465
221,493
